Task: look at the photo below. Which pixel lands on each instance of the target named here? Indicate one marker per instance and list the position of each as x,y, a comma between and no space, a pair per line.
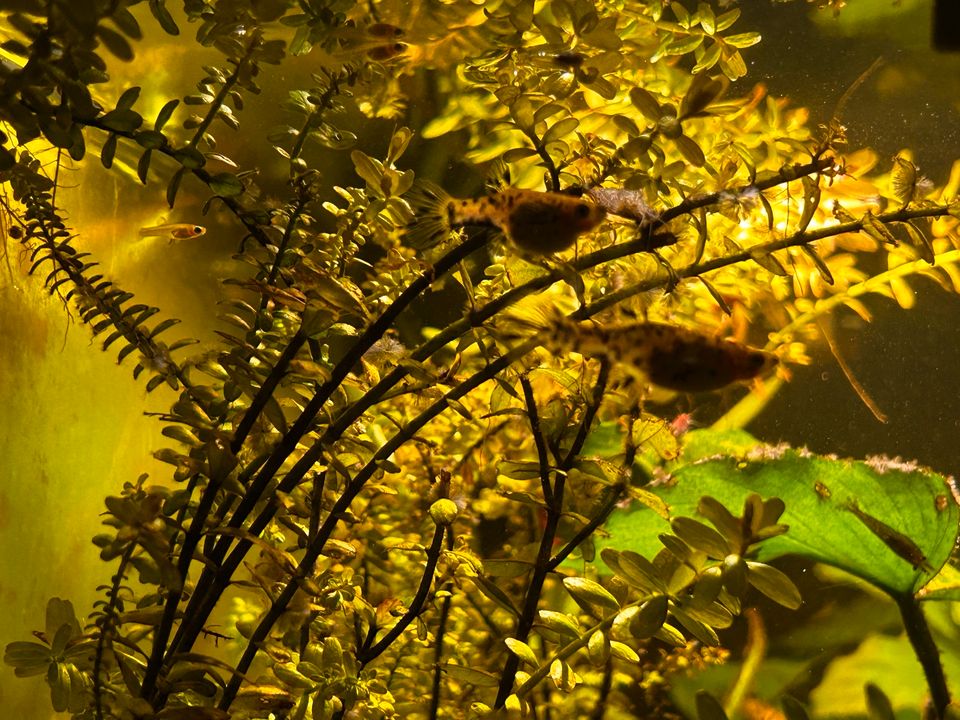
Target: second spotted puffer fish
536,223
670,357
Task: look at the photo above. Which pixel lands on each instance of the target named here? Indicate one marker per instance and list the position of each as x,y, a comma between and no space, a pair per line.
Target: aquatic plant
413,486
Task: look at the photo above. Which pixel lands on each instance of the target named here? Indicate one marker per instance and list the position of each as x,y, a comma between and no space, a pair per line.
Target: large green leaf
891,523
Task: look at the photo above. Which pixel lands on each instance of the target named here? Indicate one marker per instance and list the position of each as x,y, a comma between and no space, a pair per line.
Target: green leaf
164,115
650,617
590,592
559,623
128,98
878,704
174,185
774,584
743,40
646,103
522,651
28,658
708,707
562,128
691,152
163,16
226,184
108,151
115,43
914,503
701,537
143,166
469,675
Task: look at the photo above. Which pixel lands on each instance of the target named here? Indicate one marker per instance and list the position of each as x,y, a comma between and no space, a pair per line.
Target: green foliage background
605,101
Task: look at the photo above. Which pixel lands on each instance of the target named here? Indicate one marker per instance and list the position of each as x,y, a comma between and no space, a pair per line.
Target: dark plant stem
435,685
174,595
278,606
612,497
107,627
548,163
541,567
212,582
367,655
221,96
265,392
926,651
534,417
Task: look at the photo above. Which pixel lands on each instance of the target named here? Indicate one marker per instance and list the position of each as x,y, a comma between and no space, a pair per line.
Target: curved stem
415,608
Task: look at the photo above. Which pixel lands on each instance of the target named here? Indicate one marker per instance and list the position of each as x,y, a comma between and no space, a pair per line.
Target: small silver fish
176,231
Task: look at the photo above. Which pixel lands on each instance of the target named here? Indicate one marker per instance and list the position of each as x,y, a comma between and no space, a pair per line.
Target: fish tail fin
431,206
541,316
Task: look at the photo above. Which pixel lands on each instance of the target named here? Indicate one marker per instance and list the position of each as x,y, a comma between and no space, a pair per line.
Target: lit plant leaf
469,675
522,651
561,129
590,592
743,40
774,584
598,647
708,59
700,537
699,629
559,622
915,503
819,262
562,675
670,635
623,652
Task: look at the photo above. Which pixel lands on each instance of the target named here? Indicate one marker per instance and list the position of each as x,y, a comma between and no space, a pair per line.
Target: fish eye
197,229
582,211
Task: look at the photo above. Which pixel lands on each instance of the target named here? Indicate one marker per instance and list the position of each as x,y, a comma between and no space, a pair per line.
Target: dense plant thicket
436,465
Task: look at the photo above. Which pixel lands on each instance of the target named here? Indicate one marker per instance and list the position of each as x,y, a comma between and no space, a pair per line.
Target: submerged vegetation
439,463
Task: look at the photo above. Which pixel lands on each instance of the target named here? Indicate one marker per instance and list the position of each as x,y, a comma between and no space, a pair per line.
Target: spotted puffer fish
670,357
176,231
534,222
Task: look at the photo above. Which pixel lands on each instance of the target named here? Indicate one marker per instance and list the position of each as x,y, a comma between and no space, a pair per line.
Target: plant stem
542,566
926,651
366,655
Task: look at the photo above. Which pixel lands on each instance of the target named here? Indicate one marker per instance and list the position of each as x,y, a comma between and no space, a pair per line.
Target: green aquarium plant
429,462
